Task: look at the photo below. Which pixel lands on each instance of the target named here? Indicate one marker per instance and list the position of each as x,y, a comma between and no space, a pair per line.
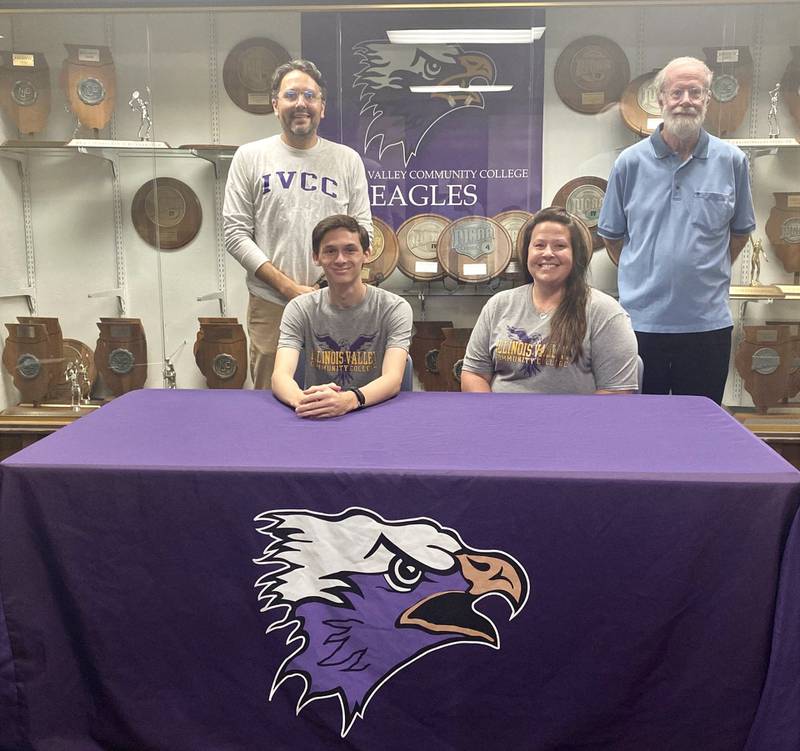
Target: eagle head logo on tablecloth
363,597
399,117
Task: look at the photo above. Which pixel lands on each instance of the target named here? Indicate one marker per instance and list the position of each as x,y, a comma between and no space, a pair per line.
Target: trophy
121,354
90,84
247,73
220,351
764,360
424,351
790,85
166,213
25,357
583,197
639,105
772,115
25,90
513,220
783,230
142,106
382,260
757,253
417,238
474,249
730,88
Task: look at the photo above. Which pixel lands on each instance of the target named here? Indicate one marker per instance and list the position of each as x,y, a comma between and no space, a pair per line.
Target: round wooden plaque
247,73
474,249
383,259
513,221
166,213
639,106
417,239
591,73
583,197
790,85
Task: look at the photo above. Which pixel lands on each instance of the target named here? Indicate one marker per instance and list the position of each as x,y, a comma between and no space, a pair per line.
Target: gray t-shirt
510,332
274,197
345,345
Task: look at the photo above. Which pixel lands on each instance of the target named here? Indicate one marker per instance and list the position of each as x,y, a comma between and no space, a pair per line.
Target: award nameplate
166,213
451,355
591,73
220,351
583,197
764,360
512,222
417,239
783,230
639,106
25,90
424,352
730,88
247,73
790,85
383,258
474,249
25,357
121,354
90,84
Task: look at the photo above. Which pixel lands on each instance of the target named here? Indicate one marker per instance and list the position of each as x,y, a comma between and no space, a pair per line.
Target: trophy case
117,129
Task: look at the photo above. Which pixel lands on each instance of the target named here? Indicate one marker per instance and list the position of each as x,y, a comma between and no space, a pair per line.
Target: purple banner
449,153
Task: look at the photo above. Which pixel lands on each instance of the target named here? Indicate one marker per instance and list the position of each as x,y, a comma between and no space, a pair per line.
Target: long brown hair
568,324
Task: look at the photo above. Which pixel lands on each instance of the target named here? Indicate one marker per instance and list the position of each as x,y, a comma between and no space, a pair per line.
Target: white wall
73,222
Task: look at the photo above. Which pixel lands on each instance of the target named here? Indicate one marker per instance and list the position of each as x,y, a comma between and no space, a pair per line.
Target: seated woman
555,335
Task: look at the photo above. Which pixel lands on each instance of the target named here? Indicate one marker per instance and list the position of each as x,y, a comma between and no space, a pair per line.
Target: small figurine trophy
755,262
170,376
142,106
772,115
71,373
85,383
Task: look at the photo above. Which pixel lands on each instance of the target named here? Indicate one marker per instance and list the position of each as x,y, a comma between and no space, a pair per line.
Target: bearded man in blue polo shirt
677,213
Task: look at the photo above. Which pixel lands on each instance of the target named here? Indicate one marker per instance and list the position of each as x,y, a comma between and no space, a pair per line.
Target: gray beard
682,127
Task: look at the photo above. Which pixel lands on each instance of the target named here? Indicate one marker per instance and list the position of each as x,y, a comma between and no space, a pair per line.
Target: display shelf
757,147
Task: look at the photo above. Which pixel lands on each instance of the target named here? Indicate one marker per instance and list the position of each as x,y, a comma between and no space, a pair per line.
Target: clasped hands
325,400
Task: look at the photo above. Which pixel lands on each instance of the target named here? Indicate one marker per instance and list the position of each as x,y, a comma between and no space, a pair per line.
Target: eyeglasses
308,96
696,94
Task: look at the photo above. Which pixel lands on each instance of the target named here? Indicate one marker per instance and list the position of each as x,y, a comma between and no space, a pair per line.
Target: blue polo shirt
675,219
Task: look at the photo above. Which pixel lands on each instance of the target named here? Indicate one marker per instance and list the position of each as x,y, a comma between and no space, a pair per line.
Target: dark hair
306,66
568,325
338,221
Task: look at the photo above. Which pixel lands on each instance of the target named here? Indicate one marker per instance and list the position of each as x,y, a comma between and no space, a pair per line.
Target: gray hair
661,76
304,66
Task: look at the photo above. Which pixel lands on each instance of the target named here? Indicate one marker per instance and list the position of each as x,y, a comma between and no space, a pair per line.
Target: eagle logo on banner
361,598
401,118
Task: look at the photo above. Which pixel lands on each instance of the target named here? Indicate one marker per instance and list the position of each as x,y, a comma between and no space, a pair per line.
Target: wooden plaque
591,73
763,360
783,230
121,354
790,86
25,90
25,357
639,106
55,351
424,351
730,88
793,383
90,83
247,73
220,351
474,249
583,197
166,213
451,356
417,239
513,221
383,259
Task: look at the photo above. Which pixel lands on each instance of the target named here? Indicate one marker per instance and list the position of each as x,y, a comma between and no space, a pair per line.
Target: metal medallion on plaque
25,90
90,84
639,106
25,356
591,73
121,354
247,73
764,360
583,197
783,230
424,352
474,249
383,258
790,85
730,88
417,239
166,213
220,351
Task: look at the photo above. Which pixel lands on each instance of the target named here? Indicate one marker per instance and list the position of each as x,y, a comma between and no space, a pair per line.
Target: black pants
695,364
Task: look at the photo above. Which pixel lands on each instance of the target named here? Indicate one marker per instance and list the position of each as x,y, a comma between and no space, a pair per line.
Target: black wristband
362,402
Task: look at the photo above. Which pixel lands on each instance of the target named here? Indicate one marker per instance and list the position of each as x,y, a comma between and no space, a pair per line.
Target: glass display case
118,126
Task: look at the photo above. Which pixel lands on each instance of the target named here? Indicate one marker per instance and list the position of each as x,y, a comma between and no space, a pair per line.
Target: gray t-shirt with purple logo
510,333
345,345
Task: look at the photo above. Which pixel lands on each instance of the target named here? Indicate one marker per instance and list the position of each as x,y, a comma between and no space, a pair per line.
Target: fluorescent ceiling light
465,36
480,89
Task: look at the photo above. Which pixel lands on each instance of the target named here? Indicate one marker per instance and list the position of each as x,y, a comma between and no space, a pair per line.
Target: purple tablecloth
605,572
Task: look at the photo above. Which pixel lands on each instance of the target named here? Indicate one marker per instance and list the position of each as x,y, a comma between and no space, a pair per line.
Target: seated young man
354,337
